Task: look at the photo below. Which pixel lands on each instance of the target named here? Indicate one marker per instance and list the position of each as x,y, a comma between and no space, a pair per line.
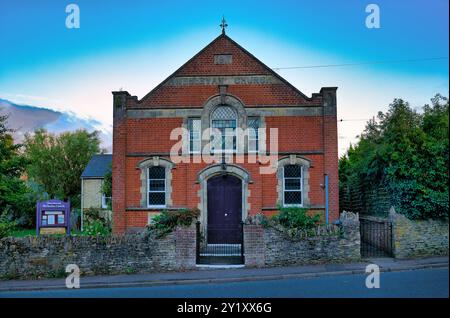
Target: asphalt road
413,283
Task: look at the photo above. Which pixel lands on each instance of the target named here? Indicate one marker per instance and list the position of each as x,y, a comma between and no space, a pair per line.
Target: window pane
223,123
252,126
216,142
229,143
253,145
253,122
194,124
194,135
157,173
252,133
157,185
194,145
292,197
292,184
156,198
223,112
292,171
223,135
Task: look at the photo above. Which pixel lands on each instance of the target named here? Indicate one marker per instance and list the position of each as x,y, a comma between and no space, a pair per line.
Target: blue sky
135,44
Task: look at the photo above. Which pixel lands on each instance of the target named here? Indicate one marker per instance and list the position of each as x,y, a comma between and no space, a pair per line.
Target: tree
405,153
107,185
57,161
12,165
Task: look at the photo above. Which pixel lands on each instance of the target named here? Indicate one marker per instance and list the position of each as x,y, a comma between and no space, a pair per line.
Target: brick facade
307,130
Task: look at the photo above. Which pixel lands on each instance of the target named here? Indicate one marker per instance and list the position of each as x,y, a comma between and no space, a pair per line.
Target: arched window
156,182
253,124
293,181
156,186
292,185
223,129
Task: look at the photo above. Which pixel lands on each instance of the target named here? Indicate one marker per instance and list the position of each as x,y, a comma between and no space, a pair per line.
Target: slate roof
98,166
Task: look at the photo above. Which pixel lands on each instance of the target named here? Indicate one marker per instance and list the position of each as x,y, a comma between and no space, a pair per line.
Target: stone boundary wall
47,256
271,246
418,238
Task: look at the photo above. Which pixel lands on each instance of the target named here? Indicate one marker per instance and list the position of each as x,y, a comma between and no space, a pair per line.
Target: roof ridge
181,67
223,35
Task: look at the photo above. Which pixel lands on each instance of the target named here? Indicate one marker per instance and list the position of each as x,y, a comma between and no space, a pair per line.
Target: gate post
242,243
198,238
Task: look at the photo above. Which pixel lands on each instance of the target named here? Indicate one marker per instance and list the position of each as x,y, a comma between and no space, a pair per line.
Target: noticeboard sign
52,217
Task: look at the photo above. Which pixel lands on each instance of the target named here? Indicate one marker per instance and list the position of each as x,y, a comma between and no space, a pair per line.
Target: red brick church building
223,88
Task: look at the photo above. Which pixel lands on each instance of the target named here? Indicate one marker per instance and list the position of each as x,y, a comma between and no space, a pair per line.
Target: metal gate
376,237
215,253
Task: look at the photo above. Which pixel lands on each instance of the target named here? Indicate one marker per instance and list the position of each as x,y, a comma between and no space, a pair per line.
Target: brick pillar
254,247
330,144
118,161
186,247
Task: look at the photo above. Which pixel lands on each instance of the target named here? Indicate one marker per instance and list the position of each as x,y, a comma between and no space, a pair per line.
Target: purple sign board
53,217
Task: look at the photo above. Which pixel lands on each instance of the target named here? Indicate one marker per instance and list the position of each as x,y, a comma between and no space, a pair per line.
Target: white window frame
104,204
233,135
253,139
233,142
199,140
158,191
301,189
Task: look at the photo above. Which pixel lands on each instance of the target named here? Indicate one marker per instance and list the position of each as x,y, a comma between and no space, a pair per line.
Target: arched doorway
224,210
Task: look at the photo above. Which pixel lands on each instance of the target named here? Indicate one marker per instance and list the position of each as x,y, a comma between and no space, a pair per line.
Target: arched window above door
224,113
223,129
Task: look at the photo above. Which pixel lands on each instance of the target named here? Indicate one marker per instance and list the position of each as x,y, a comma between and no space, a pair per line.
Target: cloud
25,119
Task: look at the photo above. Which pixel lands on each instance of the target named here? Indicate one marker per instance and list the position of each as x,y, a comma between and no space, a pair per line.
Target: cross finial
223,25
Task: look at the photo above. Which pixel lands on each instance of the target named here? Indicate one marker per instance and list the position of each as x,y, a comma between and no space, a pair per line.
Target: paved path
411,283
225,275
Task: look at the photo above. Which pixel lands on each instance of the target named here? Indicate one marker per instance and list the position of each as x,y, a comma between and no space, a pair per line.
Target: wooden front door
224,210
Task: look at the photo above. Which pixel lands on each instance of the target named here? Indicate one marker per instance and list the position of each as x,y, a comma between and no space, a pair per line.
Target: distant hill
26,118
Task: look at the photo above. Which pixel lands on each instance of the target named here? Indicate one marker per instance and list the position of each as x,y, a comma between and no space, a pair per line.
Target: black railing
220,244
376,238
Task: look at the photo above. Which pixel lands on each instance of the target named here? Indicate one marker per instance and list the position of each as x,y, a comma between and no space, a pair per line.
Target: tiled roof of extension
98,166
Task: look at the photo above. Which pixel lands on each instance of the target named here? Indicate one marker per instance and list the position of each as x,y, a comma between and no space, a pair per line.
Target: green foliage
96,227
164,223
295,218
130,270
6,226
20,232
57,161
107,185
406,153
101,215
12,165
96,222
107,182
26,216
55,273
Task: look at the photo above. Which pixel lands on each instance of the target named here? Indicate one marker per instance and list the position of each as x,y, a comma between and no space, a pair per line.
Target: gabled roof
98,166
250,66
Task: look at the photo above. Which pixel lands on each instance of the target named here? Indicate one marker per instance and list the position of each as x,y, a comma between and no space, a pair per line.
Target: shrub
295,218
400,160
6,225
95,214
166,221
95,227
96,222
